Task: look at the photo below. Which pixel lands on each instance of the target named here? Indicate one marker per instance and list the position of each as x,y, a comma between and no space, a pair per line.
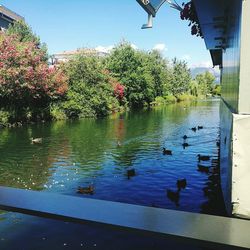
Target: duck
218,144
203,169
167,151
36,140
194,129
86,190
203,157
174,196
200,127
181,184
130,172
185,137
185,144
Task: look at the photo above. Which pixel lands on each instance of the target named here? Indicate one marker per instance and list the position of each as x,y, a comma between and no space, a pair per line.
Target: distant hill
201,70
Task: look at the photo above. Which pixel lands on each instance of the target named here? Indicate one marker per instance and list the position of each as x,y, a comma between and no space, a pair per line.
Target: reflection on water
87,152
101,152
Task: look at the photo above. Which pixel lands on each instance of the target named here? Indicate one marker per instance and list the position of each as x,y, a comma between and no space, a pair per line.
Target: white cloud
104,49
161,47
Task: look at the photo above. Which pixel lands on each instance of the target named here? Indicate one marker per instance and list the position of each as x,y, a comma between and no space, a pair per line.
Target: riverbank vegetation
87,86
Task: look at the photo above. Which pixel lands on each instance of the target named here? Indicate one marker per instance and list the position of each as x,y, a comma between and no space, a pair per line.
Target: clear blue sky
71,24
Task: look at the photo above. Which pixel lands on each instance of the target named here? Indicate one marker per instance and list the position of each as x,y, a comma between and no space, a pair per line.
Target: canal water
121,158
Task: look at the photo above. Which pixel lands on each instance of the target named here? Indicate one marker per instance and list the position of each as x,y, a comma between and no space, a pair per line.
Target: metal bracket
149,24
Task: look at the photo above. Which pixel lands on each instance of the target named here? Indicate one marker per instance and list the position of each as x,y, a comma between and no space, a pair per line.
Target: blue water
83,153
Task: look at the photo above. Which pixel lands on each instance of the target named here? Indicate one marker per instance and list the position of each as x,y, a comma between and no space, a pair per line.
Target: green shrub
170,99
216,90
57,113
185,97
159,100
4,118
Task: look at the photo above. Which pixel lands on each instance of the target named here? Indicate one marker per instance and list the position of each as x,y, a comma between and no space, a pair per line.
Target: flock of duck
174,196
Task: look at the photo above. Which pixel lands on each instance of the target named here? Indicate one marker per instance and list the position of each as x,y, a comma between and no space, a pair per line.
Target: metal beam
198,229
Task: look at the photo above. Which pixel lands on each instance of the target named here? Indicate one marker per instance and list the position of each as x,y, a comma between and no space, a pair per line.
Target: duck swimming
203,157
86,190
36,140
200,127
194,129
203,169
184,137
185,144
166,151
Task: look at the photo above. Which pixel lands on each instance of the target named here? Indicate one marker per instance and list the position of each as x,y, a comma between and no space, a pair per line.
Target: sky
71,24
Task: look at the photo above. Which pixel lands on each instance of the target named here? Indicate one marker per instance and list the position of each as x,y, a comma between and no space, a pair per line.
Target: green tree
132,70
25,34
205,83
180,78
91,92
159,70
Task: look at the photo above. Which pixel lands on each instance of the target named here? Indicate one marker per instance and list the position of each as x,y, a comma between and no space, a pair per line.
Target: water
83,153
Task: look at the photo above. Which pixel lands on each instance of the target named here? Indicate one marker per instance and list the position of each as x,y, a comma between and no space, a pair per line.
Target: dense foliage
92,91
27,84
87,86
145,75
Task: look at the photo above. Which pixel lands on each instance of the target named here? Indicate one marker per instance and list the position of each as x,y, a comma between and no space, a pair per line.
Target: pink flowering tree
25,78
119,89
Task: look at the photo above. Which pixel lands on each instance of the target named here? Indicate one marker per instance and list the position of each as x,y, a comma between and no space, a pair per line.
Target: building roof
9,14
76,52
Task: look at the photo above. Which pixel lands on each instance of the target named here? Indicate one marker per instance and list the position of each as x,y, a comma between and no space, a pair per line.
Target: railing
198,229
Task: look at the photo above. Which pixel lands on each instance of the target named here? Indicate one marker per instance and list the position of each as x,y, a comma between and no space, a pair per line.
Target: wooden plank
213,231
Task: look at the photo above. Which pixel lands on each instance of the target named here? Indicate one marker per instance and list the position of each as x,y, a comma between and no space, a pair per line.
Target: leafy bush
4,118
185,97
57,113
26,81
216,90
170,99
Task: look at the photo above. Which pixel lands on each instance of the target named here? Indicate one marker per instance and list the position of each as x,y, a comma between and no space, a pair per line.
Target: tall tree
180,78
205,82
132,70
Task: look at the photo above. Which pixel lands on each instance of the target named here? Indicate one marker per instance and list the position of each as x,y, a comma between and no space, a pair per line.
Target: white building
65,56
